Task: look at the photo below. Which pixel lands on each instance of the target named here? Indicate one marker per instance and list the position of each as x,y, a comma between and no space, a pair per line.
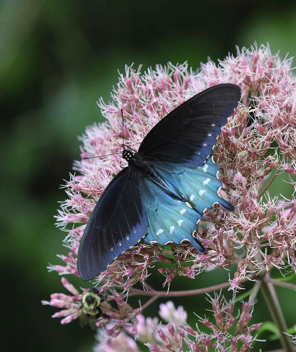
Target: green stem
269,183
273,304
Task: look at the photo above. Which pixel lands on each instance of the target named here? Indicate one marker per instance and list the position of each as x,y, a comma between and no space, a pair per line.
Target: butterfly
162,193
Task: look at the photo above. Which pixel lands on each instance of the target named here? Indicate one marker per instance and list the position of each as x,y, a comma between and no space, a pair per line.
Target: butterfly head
127,154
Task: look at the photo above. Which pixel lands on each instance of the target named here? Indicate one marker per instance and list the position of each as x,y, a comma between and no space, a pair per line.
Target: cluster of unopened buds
256,147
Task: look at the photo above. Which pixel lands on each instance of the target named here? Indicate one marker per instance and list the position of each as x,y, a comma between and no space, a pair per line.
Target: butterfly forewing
117,223
187,134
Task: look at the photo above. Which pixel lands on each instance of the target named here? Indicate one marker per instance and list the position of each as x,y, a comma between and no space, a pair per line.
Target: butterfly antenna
100,156
122,128
125,146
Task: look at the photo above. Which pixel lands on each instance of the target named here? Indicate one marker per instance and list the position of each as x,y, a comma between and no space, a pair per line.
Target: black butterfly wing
117,223
188,133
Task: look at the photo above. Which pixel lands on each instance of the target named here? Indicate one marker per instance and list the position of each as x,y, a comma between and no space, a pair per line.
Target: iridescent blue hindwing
169,218
174,218
199,186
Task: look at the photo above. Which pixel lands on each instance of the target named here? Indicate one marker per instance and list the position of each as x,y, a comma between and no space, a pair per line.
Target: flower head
255,146
268,96
175,335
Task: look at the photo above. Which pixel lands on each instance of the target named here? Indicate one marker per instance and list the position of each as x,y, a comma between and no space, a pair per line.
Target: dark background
57,59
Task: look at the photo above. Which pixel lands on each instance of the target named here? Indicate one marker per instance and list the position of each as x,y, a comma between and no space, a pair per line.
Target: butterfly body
168,184
144,169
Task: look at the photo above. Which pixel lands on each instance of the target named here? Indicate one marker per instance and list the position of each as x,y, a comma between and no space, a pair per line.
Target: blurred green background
57,58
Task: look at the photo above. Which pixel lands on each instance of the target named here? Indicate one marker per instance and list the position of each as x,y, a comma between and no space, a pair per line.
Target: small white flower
170,314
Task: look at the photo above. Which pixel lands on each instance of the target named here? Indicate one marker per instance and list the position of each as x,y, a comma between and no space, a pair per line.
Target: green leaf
270,326
276,336
287,278
291,330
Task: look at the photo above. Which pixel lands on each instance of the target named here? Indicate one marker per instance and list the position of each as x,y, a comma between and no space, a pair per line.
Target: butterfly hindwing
174,218
118,222
170,219
187,135
199,186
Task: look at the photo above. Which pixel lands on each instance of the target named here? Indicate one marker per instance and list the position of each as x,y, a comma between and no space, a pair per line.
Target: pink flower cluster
256,146
268,95
174,333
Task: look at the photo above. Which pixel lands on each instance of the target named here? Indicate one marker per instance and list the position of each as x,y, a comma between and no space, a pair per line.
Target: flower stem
282,284
271,299
269,183
198,291
151,300
254,294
